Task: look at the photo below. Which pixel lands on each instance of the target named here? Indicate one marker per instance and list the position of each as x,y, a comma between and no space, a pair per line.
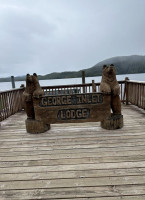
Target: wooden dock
73,161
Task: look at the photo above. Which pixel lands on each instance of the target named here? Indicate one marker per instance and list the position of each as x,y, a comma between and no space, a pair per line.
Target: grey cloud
59,35
19,30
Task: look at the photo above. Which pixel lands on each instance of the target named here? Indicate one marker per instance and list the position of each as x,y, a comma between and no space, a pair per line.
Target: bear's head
31,83
35,80
29,79
109,71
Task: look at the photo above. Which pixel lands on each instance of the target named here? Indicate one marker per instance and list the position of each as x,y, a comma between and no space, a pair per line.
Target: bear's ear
112,65
104,66
35,74
28,75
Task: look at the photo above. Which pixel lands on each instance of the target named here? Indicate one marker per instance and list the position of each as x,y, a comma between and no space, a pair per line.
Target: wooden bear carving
33,90
108,85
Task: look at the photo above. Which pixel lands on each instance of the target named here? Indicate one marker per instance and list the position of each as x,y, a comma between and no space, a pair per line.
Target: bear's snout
29,79
111,69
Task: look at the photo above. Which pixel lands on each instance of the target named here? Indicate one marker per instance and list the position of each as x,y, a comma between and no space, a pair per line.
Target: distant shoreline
139,77
18,80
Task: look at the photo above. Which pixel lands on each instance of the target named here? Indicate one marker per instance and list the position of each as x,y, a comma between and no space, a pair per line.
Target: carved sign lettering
65,100
69,114
74,108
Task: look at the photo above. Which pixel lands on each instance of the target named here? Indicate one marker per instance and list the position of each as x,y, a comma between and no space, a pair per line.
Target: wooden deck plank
72,183
74,167
74,161
77,192
93,155
73,174
138,144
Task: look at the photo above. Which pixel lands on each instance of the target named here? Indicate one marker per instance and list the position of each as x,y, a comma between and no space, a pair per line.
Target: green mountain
123,64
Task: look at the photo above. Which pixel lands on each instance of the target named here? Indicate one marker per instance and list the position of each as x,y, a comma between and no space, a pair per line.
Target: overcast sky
44,36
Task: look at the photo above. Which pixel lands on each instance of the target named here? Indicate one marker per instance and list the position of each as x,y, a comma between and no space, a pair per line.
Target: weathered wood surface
115,121
34,126
73,161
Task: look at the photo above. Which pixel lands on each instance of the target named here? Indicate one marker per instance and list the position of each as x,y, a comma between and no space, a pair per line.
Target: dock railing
131,92
80,88
10,102
135,93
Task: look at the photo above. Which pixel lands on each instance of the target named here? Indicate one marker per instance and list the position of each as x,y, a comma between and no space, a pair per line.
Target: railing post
22,105
126,89
93,86
83,80
13,81
83,77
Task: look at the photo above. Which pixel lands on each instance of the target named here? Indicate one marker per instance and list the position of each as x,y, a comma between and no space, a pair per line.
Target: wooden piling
83,80
13,81
93,86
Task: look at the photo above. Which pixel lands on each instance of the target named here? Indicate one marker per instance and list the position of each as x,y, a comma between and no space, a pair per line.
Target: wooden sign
72,108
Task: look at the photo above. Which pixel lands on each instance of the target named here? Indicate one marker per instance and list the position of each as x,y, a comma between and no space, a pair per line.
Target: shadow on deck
74,161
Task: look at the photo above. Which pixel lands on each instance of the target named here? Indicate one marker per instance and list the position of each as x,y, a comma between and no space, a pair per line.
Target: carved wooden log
34,126
115,121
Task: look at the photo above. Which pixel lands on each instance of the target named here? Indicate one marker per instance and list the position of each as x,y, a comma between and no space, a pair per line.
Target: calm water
8,85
